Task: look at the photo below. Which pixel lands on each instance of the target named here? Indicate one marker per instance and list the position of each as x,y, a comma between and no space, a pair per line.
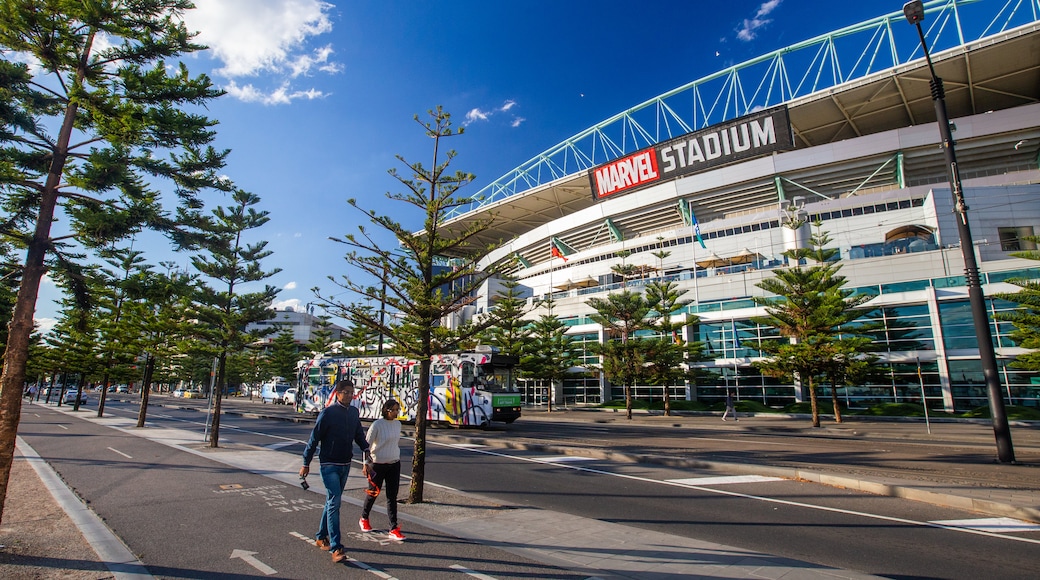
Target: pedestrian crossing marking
566,459
998,525
724,480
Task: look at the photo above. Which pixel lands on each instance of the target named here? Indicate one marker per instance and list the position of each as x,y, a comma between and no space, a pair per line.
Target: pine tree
1027,318
411,278
621,314
226,311
550,353
82,135
670,355
284,353
511,334
811,310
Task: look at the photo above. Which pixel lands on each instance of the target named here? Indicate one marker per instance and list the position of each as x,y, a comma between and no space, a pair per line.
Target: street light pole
914,12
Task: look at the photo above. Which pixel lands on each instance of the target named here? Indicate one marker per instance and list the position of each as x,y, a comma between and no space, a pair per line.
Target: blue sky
321,95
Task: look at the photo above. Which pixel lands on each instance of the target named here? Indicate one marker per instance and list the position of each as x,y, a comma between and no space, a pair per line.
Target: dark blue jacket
334,433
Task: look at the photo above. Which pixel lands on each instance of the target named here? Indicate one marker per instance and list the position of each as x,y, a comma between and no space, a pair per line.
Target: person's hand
304,471
366,469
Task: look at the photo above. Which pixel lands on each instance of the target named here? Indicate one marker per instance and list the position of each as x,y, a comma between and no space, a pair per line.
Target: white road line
724,480
469,572
113,450
467,445
63,427
992,524
568,458
766,499
368,568
250,558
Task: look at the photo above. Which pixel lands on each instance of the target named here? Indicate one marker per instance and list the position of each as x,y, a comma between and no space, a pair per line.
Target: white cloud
44,325
478,114
293,303
749,27
265,40
280,96
289,286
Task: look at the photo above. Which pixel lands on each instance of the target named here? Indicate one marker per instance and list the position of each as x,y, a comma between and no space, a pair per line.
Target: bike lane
188,516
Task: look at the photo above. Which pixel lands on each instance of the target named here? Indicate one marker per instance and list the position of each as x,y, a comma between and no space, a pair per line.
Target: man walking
335,431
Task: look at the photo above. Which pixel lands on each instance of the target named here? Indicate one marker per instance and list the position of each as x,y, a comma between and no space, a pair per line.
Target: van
273,392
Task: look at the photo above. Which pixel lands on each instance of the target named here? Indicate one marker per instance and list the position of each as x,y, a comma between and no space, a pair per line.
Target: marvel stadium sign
749,136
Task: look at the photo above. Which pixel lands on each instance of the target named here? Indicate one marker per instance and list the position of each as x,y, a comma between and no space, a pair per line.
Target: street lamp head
914,11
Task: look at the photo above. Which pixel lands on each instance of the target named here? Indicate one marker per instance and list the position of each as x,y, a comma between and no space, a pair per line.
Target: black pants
388,477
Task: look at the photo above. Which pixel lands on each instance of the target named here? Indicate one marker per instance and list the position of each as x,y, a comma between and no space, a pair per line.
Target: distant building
303,326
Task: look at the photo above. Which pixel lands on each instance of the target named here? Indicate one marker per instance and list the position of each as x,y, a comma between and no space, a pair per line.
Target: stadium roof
997,71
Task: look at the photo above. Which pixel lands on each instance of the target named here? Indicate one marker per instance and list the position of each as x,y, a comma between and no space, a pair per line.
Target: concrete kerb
892,488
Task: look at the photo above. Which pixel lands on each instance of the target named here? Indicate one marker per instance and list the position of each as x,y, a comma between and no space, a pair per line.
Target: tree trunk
146,386
815,403
667,402
415,492
834,402
628,400
549,397
218,386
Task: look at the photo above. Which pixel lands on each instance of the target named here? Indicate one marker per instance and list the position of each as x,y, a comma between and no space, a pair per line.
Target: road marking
353,561
768,499
113,450
63,427
469,572
277,446
724,480
368,568
567,458
248,558
992,524
467,445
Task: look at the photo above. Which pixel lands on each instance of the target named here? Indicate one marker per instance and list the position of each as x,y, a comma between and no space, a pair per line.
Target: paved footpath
618,551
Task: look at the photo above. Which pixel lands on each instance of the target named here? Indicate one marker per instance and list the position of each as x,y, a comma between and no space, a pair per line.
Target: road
828,526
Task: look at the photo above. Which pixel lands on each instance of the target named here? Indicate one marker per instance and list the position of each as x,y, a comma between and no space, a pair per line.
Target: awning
713,261
746,256
583,283
911,231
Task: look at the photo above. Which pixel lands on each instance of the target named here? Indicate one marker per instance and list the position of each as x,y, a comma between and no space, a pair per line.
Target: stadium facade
700,186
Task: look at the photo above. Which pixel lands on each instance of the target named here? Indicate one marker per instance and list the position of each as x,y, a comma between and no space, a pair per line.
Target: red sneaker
395,534
364,525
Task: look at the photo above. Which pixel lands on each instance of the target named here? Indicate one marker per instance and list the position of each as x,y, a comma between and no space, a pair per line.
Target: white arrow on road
248,558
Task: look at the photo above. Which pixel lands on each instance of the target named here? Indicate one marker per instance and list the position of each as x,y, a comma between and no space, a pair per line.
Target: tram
468,388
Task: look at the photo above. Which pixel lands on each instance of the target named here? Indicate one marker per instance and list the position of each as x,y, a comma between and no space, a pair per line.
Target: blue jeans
335,479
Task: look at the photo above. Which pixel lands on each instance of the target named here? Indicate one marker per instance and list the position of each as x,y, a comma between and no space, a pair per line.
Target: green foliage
281,361
511,334
409,278
1027,318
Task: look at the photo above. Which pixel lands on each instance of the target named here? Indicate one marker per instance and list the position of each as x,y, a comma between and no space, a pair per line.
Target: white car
289,398
70,397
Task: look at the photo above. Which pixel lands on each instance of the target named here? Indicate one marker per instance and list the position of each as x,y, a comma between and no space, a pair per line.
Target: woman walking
384,437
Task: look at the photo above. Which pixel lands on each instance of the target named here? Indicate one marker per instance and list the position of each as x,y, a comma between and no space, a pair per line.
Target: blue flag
697,229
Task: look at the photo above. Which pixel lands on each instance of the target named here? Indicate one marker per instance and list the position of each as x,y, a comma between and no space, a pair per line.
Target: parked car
179,392
290,396
194,394
71,395
273,392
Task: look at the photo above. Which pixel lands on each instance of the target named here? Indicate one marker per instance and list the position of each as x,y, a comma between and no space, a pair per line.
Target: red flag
556,253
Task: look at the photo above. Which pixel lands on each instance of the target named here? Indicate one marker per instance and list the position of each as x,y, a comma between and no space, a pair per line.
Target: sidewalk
34,524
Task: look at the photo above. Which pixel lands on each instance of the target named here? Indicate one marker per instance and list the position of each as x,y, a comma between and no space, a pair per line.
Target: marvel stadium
696,186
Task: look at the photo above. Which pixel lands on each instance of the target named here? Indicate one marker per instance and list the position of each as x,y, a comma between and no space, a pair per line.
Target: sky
321,95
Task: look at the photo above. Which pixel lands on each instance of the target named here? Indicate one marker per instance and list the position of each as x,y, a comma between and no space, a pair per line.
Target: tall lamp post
914,12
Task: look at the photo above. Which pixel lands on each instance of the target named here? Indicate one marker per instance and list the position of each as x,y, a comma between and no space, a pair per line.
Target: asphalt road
189,517
820,524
